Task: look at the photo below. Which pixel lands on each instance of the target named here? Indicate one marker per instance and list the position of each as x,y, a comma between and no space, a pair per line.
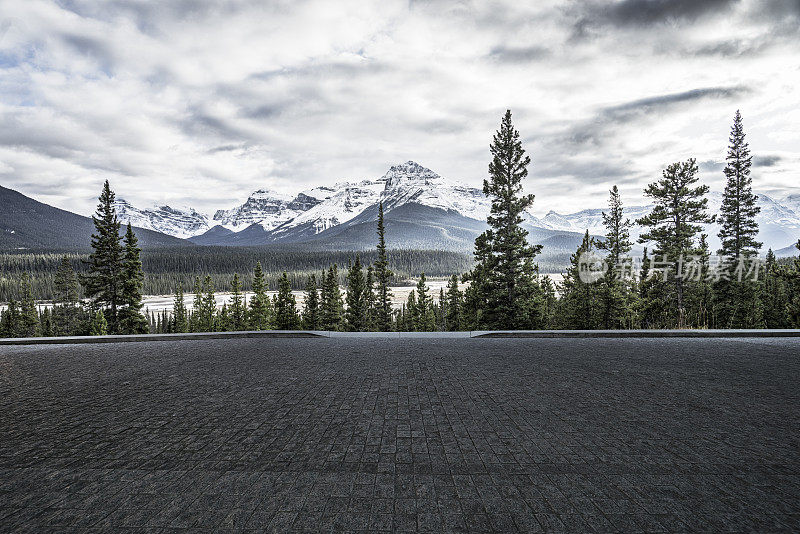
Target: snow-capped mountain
436,210
177,222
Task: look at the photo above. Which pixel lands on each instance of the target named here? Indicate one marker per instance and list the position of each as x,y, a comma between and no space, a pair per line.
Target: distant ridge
26,223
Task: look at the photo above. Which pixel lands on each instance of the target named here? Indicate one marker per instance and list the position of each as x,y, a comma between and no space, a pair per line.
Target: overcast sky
200,102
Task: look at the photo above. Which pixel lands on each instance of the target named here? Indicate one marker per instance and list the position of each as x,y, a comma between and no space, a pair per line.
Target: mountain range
422,209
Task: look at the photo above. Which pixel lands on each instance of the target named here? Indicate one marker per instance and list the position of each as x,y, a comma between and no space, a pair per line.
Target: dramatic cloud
200,102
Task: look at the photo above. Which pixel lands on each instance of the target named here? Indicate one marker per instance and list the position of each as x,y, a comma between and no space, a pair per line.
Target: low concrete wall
407,335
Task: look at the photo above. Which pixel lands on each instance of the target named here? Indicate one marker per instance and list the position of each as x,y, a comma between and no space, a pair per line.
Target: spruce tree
197,306
383,316
46,323
356,312
131,320
237,312
425,320
99,325
260,307
699,308
332,310
286,317
737,304
66,313
550,299
311,312
580,303
180,320
10,323
774,295
453,317
614,290
791,275
28,314
371,300
504,273
679,210
411,313
103,283
223,322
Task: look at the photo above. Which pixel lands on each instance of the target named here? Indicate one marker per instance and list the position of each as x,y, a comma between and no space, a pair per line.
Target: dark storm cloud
644,13
511,54
766,161
631,110
93,48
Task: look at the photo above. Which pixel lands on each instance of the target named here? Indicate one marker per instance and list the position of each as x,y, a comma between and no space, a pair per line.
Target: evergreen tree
131,320
680,209
99,325
792,277
46,323
205,310
579,298
103,283
66,313
550,299
223,322
371,298
425,320
774,294
356,312
237,313
10,321
441,312
28,315
311,312
614,290
260,308
383,316
286,317
453,317
737,304
197,306
332,310
410,313
505,289
700,293
180,319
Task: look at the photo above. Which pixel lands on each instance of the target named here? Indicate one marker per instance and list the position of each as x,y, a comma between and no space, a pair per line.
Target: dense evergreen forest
677,283
164,268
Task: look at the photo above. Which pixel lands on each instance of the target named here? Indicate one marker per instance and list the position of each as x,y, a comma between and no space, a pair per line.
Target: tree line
603,287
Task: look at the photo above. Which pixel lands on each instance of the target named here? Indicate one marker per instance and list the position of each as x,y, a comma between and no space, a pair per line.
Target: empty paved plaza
369,435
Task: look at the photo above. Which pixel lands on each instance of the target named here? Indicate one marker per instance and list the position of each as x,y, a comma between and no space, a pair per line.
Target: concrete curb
73,340
635,333
542,334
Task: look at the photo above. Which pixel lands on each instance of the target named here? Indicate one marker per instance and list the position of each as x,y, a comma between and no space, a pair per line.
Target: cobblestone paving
461,435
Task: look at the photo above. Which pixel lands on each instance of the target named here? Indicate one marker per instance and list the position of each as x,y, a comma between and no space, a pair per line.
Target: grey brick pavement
461,435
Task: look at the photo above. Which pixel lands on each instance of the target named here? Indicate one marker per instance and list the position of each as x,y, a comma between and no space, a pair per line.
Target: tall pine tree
383,309
180,319
286,317
260,308
237,311
504,274
311,305
356,312
28,314
453,315
103,283
424,316
737,304
332,308
131,320
678,212
614,290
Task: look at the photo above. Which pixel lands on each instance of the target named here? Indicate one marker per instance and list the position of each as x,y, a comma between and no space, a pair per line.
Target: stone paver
428,435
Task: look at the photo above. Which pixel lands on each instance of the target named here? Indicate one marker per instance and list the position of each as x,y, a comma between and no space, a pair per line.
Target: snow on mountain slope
411,182
178,222
348,201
